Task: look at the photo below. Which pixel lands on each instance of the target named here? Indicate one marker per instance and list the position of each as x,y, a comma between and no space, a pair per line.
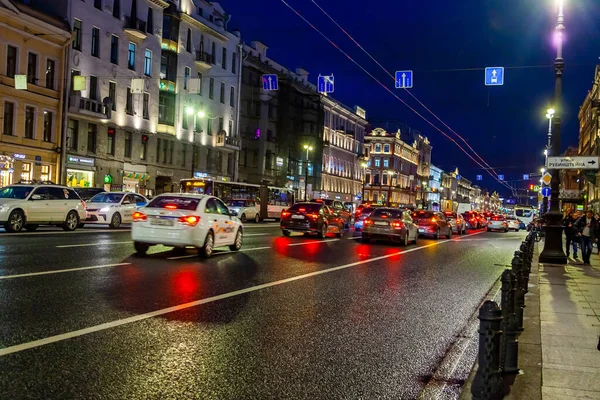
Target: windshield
238,203
383,213
450,214
175,203
15,192
112,198
305,207
523,213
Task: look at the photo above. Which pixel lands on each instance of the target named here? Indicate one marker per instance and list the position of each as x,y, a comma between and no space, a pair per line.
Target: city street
297,317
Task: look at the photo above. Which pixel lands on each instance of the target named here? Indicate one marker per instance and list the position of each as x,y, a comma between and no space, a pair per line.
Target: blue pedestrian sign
479,177
270,82
494,76
404,79
525,177
546,191
325,83
500,177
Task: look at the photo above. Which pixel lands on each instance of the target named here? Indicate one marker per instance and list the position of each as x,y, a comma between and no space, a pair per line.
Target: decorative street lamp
364,171
423,187
307,148
553,251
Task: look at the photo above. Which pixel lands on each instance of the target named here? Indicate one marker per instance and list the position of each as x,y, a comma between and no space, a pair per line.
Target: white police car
113,208
186,219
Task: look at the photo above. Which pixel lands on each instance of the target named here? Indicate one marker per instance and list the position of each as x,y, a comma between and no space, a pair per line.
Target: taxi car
27,206
113,208
245,209
186,219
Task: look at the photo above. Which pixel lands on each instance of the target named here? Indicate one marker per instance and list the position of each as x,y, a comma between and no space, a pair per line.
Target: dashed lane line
58,271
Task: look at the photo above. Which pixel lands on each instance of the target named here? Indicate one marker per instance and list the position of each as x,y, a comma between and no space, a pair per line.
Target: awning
136,175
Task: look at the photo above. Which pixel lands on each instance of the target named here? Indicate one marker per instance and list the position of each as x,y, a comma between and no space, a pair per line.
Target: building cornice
204,27
159,3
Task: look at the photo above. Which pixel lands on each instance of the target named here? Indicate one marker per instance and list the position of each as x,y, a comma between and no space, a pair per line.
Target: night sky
447,44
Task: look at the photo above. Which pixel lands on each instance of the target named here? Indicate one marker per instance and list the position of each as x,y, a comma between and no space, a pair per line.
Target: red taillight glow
397,224
384,216
302,209
368,222
191,220
171,206
433,220
138,216
285,214
313,216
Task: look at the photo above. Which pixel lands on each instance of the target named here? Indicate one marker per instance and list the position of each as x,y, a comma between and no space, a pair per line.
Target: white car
114,208
186,219
29,206
497,222
513,224
245,209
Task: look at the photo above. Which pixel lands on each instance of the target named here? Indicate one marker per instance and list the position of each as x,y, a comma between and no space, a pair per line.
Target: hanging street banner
572,162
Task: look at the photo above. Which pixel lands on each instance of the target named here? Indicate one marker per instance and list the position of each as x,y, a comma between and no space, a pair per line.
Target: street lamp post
553,250
390,175
201,114
423,187
364,170
307,148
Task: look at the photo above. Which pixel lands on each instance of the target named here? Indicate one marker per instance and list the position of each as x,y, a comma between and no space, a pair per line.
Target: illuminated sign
80,160
19,156
279,161
108,179
360,112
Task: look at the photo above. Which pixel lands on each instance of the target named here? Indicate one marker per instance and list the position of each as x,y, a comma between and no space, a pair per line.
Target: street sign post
404,79
494,76
581,162
270,82
546,191
546,178
325,83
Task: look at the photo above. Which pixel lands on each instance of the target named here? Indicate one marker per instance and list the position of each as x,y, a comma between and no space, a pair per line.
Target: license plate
381,223
421,230
161,222
297,216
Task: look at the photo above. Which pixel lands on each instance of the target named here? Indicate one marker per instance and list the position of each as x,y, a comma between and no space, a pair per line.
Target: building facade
423,169
32,45
434,188
449,189
589,127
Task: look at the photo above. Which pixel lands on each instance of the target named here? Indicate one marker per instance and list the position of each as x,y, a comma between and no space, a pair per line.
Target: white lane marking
2,234
503,238
92,244
113,324
354,238
269,225
219,252
58,271
256,234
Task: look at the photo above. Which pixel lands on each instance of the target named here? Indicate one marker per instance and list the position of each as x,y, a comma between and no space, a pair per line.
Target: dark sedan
311,218
432,223
391,224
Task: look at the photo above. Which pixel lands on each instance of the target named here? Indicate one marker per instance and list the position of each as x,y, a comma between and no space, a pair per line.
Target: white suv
29,206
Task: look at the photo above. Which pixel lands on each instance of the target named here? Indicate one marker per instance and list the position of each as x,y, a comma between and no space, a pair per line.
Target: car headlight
104,209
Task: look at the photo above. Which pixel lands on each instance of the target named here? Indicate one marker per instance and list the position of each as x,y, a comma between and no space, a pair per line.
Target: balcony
227,141
135,28
204,60
86,106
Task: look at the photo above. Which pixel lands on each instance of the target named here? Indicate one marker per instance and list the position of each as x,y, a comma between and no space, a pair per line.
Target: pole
306,178
553,251
194,149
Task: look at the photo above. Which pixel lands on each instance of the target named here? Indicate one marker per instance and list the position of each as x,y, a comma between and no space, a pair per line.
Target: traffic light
144,138
531,187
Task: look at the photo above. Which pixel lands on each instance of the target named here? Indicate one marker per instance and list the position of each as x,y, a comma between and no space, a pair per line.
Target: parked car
311,218
391,224
498,223
432,223
338,207
87,193
245,209
513,223
186,219
458,223
114,208
29,206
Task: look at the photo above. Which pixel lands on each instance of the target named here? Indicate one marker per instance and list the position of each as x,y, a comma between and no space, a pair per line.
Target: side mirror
36,197
233,213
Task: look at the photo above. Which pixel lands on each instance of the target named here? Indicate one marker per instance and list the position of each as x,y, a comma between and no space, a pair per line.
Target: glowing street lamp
307,148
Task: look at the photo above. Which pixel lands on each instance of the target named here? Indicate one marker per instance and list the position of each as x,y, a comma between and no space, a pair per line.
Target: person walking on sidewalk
571,232
586,228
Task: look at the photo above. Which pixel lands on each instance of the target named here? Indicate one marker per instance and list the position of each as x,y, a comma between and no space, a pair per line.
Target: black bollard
526,267
517,268
509,353
488,383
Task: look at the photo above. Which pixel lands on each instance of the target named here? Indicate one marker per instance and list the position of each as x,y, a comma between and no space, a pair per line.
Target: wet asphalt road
297,318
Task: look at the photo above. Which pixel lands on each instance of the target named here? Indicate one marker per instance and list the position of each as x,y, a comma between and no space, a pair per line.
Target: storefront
135,178
26,168
80,171
7,170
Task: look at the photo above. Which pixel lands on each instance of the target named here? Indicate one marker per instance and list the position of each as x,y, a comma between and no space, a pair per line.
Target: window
50,70
117,9
95,42
200,83
220,125
98,4
214,53
145,106
11,61
211,89
224,58
386,148
222,93
32,60
184,119
72,134
148,62
200,11
30,122
45,173
232,96
183,151
188,43
77,34
144,152
114,49
128,144
112,94
9,118
164,151
378,148
150,21
377,162
230,132
91,138
233,62
386,163
129,103
166,108
110,141
186,77
158,143
48,126
26,176
209,126
131,56
93,87
171,148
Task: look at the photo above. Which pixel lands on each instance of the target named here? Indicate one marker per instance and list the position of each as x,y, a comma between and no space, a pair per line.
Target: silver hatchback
391,224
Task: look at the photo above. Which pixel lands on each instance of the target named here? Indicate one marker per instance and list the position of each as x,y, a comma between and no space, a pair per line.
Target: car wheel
31,227
286,232
71,222
209,243
323,231
243,218
449,235
365,239
141,248
257,218
237,244
405,239
416,241
115,221
16,221
340,234
437,235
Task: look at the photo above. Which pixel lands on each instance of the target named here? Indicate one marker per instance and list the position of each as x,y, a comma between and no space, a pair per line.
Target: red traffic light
531,187
144,138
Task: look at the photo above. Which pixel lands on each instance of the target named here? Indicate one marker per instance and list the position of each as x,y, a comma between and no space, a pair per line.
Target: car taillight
368,222
191,220
312,216
396,224
433,220
171,206
138,216
285,214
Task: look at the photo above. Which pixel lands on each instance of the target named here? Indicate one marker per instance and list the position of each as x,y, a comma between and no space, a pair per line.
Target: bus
277,198
524,213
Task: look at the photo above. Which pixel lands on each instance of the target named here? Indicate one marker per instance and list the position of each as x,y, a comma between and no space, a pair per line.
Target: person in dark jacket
586,228
571,232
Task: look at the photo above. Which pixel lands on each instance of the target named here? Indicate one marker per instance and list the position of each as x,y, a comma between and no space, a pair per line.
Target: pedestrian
586,228
571,233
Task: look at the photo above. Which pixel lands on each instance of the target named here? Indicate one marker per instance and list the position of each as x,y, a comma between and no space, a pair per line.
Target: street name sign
494,76
325,83
270,82
404,79
581,162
